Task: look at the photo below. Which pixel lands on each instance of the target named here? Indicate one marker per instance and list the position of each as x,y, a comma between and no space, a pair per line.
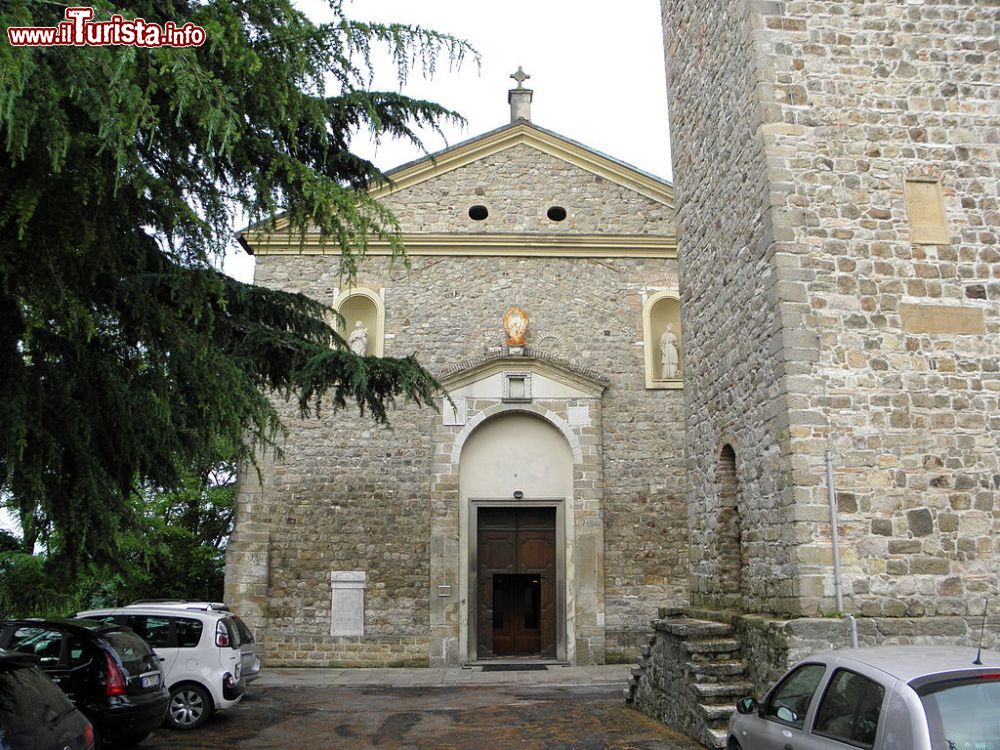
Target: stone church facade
541,512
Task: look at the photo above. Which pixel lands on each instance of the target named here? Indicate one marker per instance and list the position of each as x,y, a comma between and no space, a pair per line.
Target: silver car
889,698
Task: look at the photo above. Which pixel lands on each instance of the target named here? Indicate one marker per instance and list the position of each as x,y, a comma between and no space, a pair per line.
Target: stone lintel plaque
516,386
347,602
925,208
942,319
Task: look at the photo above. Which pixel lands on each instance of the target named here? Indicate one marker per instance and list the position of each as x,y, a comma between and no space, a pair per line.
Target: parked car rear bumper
234,692
131,716
251,669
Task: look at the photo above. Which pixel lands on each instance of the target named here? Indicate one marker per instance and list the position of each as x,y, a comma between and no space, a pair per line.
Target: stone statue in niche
358,340
670,358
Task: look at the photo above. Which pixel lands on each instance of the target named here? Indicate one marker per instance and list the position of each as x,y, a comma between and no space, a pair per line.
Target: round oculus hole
478,213
556,213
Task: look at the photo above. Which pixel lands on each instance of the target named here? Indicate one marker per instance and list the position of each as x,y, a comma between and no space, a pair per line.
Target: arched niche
729,527
365,305
660,310
516,451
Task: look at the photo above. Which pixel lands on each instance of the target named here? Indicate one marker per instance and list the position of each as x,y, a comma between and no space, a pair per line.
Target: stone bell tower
837,167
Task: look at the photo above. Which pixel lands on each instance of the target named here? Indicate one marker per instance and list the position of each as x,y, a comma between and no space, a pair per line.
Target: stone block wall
771,646
732,322
825,307
896,352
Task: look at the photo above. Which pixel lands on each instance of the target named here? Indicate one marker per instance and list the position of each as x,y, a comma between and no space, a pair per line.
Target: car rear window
29,698
963,713
188,632
131,649
245,635
153,630
850,709
234,633
77,654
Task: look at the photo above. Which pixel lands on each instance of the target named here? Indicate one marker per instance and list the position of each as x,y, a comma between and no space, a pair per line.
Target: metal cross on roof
520,76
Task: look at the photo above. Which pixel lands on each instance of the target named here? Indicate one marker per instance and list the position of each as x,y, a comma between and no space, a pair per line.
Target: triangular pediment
520,171
552,377
545,141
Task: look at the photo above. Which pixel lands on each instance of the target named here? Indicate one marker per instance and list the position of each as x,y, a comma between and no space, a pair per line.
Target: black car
34,713
108,672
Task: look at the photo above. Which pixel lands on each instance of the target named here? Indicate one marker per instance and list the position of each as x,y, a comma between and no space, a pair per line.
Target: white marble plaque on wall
347,602
454,414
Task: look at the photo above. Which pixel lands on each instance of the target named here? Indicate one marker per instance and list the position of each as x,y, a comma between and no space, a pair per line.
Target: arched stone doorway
543,441
516,486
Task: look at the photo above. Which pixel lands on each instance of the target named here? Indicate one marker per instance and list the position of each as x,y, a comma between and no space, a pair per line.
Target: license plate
151,680
247,657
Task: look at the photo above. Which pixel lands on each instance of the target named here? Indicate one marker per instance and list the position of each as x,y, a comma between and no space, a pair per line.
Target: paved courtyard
451,709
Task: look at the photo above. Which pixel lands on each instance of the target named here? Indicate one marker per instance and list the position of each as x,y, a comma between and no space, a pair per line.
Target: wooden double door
516,582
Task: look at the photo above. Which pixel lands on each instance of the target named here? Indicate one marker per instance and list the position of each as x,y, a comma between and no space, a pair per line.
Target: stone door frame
584,528
469,544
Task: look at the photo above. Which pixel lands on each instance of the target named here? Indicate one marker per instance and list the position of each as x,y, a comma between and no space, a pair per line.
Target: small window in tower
556,213
478,213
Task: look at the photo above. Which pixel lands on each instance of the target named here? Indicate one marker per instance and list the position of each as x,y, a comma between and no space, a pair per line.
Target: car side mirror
746,705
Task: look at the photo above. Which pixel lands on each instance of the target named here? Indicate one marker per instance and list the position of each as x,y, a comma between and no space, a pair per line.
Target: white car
199,652
249,649
888,698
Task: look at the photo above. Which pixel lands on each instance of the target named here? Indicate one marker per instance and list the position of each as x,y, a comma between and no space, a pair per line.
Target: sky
598,77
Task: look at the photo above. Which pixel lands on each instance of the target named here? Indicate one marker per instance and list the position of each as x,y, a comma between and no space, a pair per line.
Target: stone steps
716,690
717,712
716,738
712,672
711,646
685,627
709,669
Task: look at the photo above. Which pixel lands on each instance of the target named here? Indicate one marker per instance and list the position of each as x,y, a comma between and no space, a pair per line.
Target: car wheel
189,707
733,744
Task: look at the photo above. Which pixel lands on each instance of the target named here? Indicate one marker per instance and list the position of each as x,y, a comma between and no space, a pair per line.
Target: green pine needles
124,355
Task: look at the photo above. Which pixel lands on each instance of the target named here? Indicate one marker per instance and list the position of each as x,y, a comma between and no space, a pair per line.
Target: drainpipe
854,630
831,492
838,582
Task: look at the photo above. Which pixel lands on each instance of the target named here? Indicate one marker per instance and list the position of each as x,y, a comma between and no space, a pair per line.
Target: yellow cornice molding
491,143
523,245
